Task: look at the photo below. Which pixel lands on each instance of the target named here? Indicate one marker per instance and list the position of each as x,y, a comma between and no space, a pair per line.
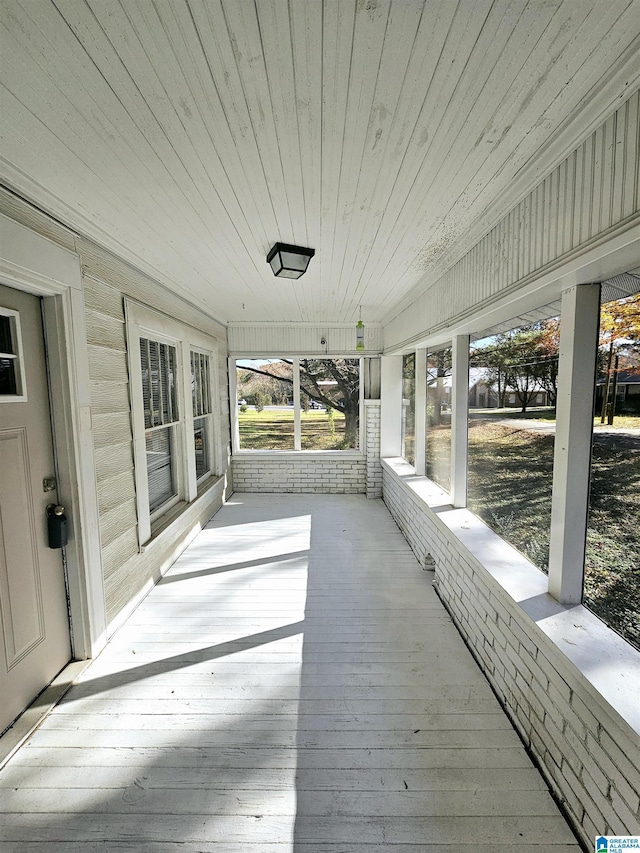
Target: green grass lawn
272,429
438,455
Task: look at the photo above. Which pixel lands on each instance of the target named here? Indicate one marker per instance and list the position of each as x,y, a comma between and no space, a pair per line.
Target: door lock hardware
57,526
49,484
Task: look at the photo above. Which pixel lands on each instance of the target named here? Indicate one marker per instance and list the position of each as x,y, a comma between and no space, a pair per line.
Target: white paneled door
34,625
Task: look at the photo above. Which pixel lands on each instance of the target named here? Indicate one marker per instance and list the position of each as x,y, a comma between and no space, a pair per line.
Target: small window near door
12,384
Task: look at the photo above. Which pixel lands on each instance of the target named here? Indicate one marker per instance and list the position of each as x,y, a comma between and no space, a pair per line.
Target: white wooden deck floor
292,685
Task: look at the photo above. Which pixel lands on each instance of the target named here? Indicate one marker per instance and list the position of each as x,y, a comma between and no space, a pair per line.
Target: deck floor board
293,684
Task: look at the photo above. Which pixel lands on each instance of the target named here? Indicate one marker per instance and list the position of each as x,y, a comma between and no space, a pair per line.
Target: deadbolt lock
57,526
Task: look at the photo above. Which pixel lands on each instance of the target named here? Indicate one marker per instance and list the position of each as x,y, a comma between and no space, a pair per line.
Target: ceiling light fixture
289,261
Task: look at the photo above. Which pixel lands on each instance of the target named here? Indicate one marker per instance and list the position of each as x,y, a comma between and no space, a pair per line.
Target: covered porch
293,683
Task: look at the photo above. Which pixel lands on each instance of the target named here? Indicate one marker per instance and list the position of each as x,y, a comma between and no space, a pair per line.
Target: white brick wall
374,468
299,472
588,753
316,472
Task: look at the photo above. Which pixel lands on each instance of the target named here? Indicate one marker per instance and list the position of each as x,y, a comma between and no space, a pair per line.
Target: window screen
201,395
159,366
200,384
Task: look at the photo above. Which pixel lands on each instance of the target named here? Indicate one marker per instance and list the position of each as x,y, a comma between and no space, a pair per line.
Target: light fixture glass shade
359,335
289,261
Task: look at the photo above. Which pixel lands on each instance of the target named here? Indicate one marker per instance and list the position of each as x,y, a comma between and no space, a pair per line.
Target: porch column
579,324
421,412
459,418
297,414
391,406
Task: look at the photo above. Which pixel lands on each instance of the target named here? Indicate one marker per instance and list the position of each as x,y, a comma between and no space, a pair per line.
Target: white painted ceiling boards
388,135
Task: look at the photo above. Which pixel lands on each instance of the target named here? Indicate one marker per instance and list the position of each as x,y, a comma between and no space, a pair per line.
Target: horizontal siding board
117,553
105,331
107,364
102,298
109,397
102,266
119,518
115,491
113,459
35,219
111,429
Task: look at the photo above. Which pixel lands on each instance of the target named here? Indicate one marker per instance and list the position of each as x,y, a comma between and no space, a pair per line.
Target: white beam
421,412
391,406
579,324
459,418
297,428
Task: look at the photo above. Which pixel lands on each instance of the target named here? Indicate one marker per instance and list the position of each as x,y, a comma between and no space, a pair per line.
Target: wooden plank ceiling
190,135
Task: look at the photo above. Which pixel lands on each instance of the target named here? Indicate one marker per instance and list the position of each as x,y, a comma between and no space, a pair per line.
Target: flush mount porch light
289,261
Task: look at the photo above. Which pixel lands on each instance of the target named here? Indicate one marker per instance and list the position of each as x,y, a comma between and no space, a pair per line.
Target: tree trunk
605,390
351,428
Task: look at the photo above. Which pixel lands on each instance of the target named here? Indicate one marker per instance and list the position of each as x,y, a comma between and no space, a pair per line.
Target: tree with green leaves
331,382
524,360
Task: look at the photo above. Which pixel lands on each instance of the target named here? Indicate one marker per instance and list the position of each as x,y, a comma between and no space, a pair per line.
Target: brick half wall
300,472
325,473
546,663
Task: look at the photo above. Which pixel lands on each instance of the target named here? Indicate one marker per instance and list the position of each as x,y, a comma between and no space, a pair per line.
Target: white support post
579,325
421,412
459,418
233,404
391,406
297,429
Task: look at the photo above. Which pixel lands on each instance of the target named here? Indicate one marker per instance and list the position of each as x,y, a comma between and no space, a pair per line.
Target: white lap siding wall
127,571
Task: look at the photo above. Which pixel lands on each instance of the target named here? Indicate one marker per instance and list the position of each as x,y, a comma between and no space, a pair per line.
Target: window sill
608,664
302,454
170,521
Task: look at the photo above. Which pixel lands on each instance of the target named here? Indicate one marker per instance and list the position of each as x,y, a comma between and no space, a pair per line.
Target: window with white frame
409,407
533,490
511,436
202,412
172,373
298,403
438,418
159,367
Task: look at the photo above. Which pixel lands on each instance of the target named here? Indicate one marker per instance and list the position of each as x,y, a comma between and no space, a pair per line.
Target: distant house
627,391
483,396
